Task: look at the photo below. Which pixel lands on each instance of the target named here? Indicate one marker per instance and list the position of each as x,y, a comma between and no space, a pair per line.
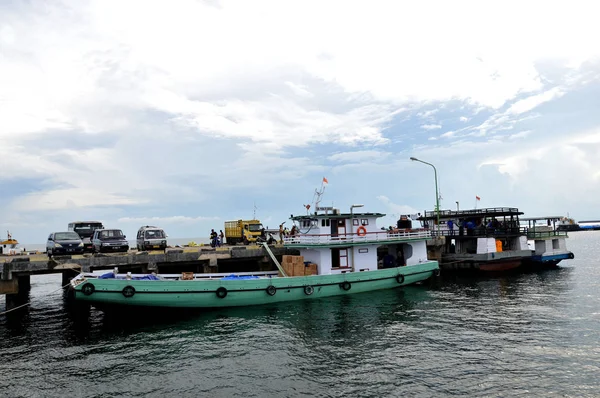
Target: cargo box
299,269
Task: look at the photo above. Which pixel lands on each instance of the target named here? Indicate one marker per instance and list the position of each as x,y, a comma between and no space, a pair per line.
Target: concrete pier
15,272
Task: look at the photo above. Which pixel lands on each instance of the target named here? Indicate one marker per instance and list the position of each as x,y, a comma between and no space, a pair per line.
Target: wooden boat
488,239
339,254
8,245
549,242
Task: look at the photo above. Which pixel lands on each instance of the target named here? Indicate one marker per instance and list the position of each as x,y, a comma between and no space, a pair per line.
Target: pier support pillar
19,294
24,284
434,249
67,275
10,286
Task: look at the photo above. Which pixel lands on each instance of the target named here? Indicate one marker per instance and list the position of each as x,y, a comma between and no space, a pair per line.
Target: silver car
149,237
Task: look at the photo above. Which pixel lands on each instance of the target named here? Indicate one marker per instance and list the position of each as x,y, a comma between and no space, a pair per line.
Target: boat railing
491,211
532,234
478,232
218,275
348,238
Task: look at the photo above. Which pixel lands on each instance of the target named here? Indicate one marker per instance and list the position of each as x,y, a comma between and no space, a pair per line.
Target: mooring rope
29,302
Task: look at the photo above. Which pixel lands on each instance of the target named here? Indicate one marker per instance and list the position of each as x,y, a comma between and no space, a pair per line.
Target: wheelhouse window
355,222
325,222
364,221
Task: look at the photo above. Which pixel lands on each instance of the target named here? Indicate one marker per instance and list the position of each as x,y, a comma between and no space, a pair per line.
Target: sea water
534,334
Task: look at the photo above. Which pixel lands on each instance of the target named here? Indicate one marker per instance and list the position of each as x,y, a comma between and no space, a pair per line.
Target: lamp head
413,158
353,206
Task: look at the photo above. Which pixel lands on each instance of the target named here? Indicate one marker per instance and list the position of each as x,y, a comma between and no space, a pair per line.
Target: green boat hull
215,293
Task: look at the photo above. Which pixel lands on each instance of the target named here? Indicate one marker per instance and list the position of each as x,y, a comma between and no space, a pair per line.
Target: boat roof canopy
335,215
85,222
486,212
553,218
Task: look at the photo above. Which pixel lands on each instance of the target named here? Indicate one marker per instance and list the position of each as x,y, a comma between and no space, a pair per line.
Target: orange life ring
361,231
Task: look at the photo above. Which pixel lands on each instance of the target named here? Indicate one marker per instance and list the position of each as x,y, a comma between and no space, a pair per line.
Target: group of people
285,233
473,224
217,239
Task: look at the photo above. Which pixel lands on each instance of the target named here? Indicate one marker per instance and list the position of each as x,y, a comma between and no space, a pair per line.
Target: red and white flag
477,198
325,181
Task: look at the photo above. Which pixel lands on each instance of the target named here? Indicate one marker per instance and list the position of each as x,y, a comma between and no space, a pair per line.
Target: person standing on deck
281,233
450,224
222,237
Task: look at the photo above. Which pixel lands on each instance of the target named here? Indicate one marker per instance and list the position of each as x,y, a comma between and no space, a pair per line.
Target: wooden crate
288,268
299,269
187,276
311,269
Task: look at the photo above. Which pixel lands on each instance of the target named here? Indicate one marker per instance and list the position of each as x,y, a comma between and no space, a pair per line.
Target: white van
150,237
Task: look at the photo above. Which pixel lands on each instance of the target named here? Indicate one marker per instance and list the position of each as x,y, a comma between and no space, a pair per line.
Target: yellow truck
245,231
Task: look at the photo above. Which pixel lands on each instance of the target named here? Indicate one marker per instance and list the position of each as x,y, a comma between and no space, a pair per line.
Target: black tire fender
400,278
436,272
221,292
271,290
308,290
346,286
88,288
128,291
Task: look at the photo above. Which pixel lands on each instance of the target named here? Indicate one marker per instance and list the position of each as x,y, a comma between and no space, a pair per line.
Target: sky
187,114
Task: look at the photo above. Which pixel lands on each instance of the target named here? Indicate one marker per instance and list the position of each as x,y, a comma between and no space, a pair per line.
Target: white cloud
463,119
394,210
69,198
299,90
431,126
529,103
521,134
448,134
165,220
359,156
427,114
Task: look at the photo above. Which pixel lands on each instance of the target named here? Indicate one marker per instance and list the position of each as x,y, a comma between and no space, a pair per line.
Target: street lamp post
352,229
437,197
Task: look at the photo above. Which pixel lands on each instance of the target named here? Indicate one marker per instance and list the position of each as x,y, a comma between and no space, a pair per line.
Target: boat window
364,221
355,222
325,222
364,250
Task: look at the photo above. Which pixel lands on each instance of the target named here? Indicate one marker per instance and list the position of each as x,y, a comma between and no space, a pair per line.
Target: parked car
149,237
109,240
64,243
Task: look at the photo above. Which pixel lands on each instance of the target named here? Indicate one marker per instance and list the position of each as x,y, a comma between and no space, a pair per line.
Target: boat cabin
546,236
346,242
477,231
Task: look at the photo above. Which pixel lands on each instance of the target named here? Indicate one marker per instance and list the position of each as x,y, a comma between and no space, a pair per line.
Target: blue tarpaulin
234,276
111,275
